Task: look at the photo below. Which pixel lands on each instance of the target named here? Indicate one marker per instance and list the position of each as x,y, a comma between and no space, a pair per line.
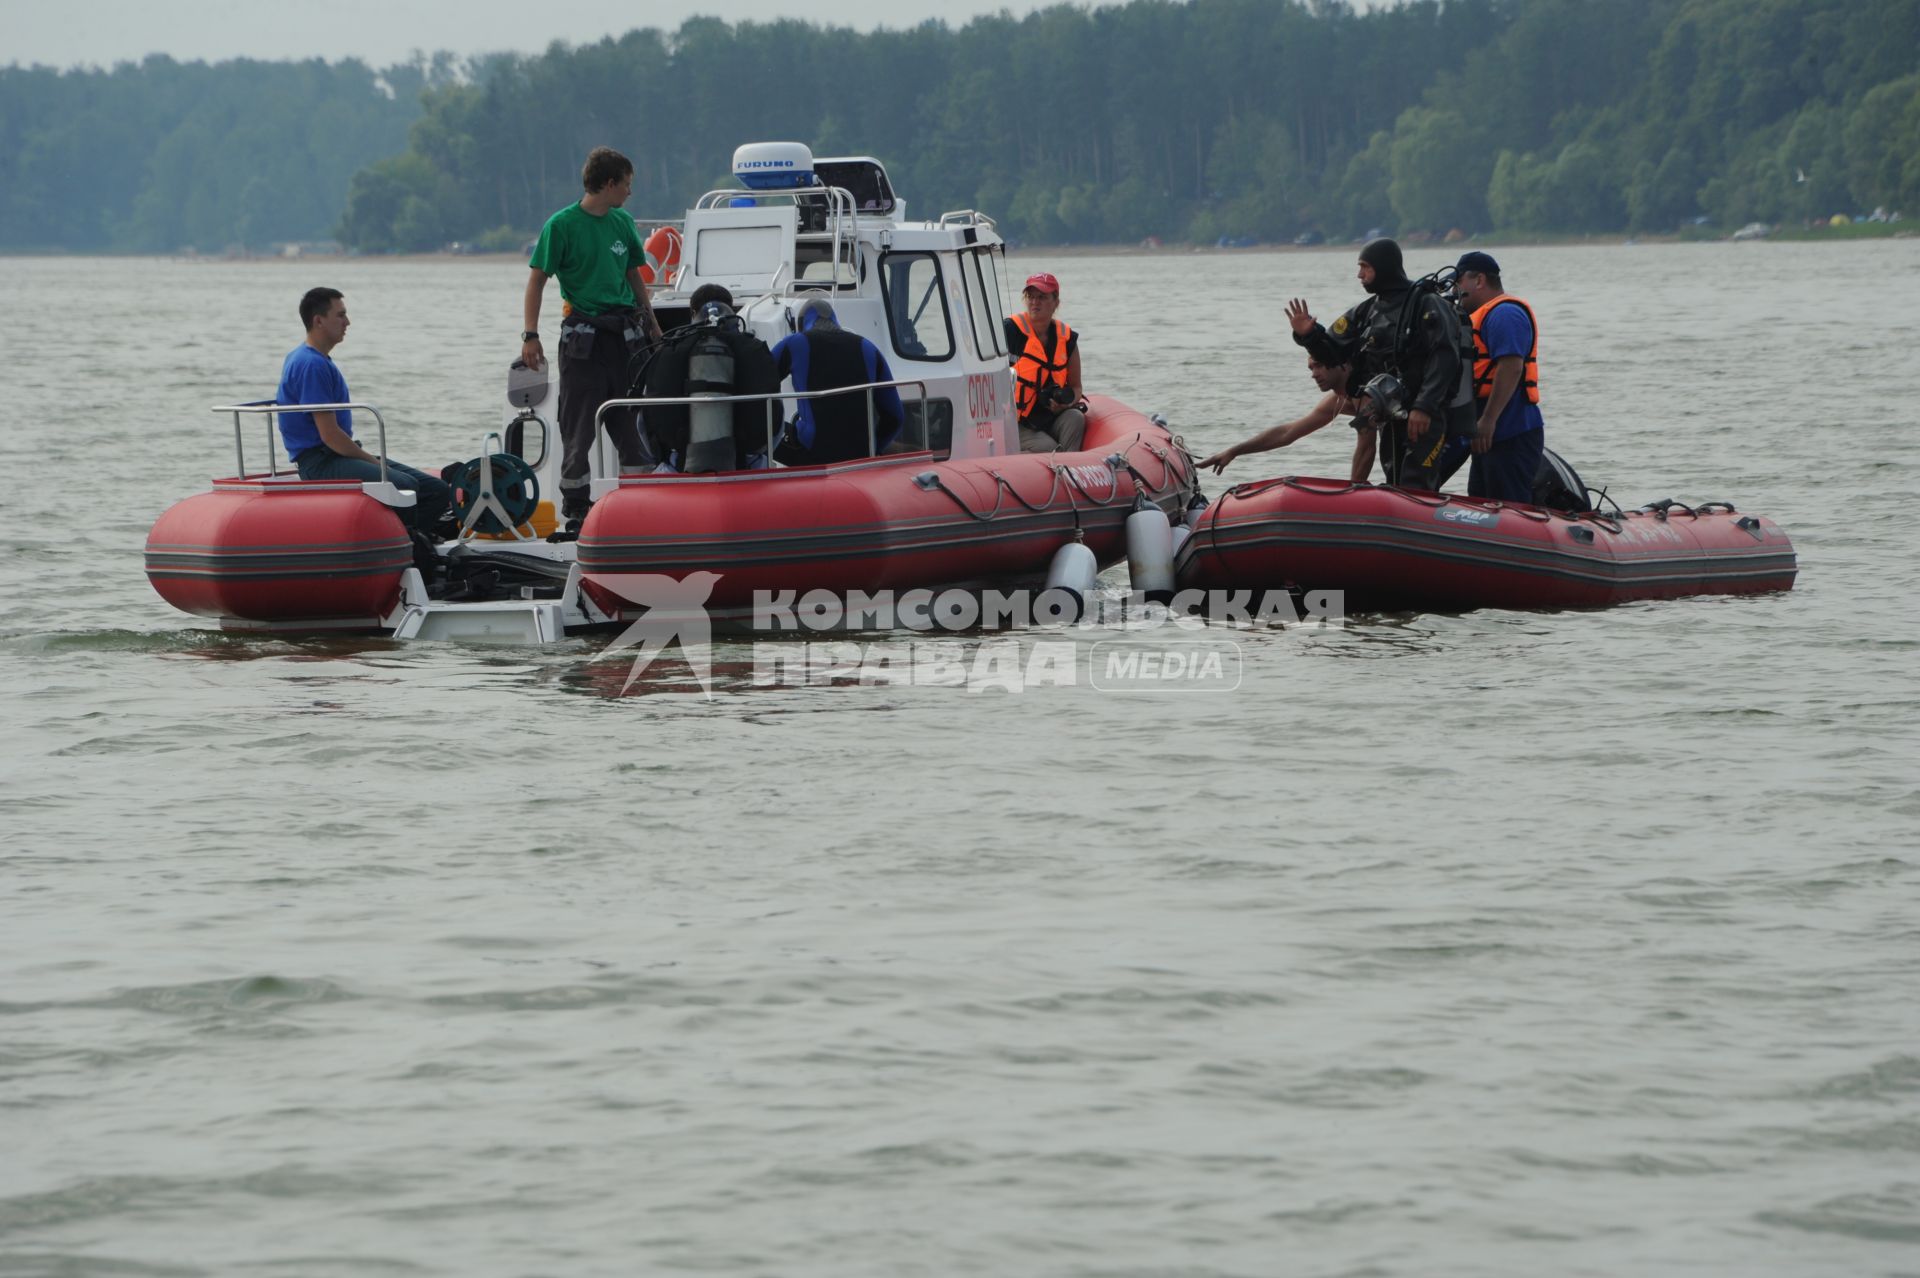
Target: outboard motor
1557,486
710,374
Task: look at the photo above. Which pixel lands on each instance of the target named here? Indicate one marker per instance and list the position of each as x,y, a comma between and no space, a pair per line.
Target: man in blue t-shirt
1510,436
322,444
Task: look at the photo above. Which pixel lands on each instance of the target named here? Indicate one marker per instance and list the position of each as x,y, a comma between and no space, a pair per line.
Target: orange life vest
1483,358
1034,368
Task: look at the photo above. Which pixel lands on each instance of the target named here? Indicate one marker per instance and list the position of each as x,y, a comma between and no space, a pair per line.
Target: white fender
1150,551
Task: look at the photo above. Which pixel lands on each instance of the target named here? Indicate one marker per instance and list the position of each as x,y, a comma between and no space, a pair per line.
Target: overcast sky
102,32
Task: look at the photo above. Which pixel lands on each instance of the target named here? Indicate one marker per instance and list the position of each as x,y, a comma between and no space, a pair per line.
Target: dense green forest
161,155
1257,119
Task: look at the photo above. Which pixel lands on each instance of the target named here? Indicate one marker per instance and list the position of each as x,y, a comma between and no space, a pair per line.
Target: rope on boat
1003,488
1172,476
1434,501
968,511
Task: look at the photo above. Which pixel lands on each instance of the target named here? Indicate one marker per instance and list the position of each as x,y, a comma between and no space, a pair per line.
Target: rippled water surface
1493,944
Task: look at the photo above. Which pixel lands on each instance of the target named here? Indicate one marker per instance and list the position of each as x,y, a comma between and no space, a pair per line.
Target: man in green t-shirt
594,247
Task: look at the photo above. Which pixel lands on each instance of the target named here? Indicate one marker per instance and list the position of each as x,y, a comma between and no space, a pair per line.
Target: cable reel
515,490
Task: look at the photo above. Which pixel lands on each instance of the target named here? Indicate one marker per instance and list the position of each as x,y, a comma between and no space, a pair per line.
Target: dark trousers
431,495
591,373
1505,472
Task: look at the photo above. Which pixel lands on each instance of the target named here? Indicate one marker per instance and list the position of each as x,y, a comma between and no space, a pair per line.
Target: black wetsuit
1413,334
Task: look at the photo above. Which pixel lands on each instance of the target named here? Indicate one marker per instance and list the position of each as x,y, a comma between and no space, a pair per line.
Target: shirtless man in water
1333,404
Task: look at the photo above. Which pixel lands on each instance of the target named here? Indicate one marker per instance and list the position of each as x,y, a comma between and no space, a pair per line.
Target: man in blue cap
1510,435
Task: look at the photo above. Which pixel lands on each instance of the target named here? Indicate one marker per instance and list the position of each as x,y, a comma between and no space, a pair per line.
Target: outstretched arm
1278,436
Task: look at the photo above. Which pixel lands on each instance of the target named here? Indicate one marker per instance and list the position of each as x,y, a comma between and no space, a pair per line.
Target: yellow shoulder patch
1340,327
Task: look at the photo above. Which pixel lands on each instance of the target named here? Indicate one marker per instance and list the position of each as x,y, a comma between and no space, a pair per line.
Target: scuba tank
710,426
1463,399
1459,413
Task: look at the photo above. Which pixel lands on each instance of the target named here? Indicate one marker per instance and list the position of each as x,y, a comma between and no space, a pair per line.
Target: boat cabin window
864,180
916,306
931,430
996,293
989,339
813,263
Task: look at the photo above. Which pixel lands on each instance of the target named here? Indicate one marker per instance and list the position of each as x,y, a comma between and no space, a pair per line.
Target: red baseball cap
1044,282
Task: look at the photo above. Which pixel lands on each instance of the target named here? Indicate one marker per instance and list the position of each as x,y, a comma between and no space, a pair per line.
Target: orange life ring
663,255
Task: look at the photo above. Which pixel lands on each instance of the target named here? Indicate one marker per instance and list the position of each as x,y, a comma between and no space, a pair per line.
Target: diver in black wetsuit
712,355
1407,331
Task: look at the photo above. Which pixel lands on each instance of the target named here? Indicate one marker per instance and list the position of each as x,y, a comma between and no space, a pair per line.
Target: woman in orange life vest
1046,372
1511,436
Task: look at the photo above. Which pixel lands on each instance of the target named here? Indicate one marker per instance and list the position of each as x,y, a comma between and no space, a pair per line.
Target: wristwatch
530,335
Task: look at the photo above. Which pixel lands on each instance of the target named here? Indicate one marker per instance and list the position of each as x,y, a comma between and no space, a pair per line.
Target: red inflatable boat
279,552
1388,548
267,548
893,522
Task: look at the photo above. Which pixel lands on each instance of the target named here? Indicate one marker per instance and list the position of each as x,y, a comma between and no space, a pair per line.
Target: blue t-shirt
308,377
1507,331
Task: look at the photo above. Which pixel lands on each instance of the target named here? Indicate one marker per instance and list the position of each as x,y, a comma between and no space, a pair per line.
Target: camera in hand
1061,396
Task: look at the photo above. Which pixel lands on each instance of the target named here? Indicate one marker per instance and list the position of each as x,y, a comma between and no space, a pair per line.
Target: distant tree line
161,155
1259,119
1254,119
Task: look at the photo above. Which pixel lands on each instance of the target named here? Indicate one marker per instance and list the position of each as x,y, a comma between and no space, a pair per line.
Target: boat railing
770,398
268,408
967,217
844,223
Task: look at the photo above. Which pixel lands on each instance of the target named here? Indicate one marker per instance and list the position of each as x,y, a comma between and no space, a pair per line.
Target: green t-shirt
590,256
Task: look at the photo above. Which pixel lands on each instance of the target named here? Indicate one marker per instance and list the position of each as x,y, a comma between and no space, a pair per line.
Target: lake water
1495,944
